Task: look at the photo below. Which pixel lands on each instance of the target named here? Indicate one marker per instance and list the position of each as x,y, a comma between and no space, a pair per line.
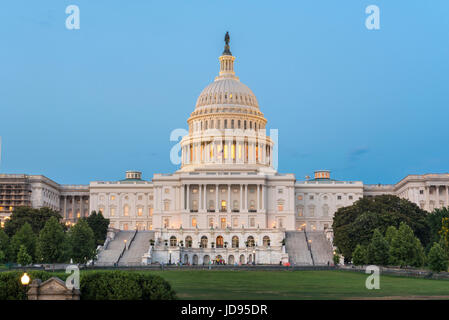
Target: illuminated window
112,198
240,152
223,205
223,223
299,197
225,151
194,222
139,211
151,211
233,151
125,226
126,210
112,212
280,207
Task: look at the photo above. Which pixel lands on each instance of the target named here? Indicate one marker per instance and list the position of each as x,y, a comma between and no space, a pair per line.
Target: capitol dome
226,128
228,91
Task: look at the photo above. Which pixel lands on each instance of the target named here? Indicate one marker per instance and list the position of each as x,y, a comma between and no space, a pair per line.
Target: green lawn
221,284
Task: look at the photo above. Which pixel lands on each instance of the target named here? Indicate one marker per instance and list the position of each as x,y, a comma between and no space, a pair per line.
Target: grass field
210,284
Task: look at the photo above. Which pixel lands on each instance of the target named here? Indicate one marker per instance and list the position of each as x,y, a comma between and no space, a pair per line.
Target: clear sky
88,104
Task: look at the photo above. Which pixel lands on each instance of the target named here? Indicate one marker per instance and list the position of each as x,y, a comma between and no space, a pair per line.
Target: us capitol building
226,201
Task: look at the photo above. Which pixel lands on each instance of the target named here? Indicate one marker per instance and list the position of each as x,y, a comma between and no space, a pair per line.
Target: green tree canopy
99,226
390,234
378,250
4,241
359,255
23,258
82,242
24,237
355,224
36,218
52,244
403,248
437,258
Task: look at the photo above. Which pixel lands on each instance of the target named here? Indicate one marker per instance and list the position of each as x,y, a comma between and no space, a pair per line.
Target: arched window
188,242
250,241
203,242
173,241
266,241
235,242
219,242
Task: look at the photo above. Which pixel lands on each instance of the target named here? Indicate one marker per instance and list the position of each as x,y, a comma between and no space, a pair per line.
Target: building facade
226,194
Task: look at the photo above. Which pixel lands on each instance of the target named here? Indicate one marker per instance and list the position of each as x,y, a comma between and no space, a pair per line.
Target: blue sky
88,104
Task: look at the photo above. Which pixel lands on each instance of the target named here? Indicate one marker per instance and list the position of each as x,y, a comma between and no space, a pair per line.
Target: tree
2,256
355,224
444,235
23,258
4,242
390,234
437,258
403,247
378,250
99,226
52,244
82,242
420,254
434,220
36,218
359,255
26,237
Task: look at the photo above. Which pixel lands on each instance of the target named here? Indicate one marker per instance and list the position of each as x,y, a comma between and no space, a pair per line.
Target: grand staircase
110,255
137,248
308,248
297,249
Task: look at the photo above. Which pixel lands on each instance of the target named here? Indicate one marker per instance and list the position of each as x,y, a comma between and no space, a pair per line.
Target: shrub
95,285
122,285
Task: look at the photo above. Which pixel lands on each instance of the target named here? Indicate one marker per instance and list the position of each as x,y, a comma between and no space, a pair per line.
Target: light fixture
25,279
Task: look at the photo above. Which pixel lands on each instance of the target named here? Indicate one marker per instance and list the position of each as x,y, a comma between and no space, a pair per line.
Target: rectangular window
223,223
112,212
139,212
235,222
252,222
193,222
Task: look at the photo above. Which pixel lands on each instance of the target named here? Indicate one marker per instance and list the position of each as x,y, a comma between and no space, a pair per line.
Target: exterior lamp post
124,241
25,279
169,261
254,257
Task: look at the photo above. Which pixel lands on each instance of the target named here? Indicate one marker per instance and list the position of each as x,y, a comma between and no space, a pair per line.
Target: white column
263,197
246,198
257,198
182,198
65,207
241,199
426,191
216,198
437,199
200,199
188,198
447,196
229,198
